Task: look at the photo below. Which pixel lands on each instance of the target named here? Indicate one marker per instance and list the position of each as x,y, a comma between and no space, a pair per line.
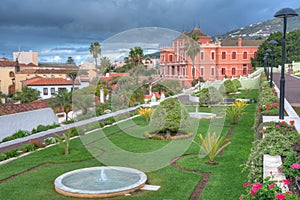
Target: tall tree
27,95
62,101
70,60
95,51
105,64
135,60
192,48
73,76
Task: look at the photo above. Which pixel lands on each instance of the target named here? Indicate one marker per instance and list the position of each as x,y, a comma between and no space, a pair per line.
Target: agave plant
212,145
145,112
235,111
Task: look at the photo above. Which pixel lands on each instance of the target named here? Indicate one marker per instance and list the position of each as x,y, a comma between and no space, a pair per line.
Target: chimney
240,42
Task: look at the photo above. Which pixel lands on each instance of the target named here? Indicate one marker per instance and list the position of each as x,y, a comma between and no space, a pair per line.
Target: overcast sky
69,26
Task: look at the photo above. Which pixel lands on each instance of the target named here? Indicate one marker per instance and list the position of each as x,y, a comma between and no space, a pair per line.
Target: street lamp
269,51
266,65
272,43
283,13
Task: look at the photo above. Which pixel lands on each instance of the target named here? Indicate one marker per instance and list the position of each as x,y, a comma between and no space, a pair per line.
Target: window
45,91
201,71
223,70
212,55
223,55
212,71
233,55
52,91
163,58
245,71
202,55
233,71
245,55
193,72
255,54
170,58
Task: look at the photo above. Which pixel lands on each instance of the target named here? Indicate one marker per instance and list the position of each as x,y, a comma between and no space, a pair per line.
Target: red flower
246,184
271,186
280,196
283,122
286,182
292,122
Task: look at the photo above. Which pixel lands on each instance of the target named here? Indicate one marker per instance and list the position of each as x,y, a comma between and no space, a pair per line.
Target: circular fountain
202,115
100,182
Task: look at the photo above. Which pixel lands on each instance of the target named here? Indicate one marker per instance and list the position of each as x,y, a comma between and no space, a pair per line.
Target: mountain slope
263,29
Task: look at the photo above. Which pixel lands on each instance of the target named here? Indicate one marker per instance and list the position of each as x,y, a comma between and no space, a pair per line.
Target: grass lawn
225,182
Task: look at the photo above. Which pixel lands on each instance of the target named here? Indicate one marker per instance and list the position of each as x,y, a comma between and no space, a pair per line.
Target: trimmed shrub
170,117
41,128
28,147
109,121
11,153
19,134
209,96
2,157
50,140
229,86
237,83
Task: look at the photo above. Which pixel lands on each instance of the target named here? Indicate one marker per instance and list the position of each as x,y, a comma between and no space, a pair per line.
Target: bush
12,153
170,117
235,111
229,87
28,147
109,121
50,140
145,112
73,132
2,157
41,128
237,83
209,96
272,144
19,134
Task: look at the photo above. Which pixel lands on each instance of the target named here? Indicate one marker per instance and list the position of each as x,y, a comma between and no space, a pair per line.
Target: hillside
263,29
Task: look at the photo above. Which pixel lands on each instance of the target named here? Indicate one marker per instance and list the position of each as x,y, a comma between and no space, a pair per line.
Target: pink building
213,61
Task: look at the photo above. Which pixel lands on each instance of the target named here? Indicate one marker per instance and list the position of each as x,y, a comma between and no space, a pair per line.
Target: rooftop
38,81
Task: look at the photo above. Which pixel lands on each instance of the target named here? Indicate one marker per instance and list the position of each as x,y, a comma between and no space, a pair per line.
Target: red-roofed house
49,86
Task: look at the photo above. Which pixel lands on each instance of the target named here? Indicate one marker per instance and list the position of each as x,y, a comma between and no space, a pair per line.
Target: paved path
292,88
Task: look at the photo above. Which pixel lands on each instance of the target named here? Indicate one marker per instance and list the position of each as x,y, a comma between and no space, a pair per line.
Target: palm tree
105,64
62,101
95,51
135,60
73,76
193,48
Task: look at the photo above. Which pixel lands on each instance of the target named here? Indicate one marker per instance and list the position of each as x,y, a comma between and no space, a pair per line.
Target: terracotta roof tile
11,108
36,81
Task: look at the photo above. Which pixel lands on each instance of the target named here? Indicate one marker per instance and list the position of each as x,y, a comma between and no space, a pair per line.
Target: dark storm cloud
34,24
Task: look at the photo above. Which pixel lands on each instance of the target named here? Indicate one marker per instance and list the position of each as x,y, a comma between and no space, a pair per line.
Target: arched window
212,55
223,71
223,55
201,55
212,71
201,71
245,55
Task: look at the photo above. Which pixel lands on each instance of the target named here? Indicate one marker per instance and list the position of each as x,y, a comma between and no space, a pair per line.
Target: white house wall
25,121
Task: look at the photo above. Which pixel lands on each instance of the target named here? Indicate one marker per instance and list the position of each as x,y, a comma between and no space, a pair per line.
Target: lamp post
270,72
272,43
283,13
266,65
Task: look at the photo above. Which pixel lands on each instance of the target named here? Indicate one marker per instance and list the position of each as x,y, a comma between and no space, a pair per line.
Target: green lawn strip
246,94
226,178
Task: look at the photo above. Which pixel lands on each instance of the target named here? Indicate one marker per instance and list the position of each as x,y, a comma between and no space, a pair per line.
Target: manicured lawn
225,182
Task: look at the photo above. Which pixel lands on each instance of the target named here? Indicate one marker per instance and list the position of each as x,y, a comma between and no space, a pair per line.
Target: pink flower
279,169
240,198
280,196
286,182
246,184
271,186
295,166
256,187
277,126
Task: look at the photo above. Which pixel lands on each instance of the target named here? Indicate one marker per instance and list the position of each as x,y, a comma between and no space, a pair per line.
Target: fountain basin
100,182
202,115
